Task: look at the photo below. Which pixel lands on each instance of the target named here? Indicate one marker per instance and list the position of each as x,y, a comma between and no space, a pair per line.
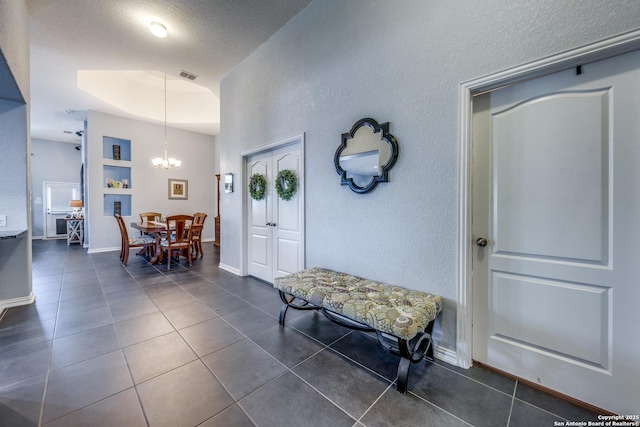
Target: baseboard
446,355
232,270
99,250
550,391
15,302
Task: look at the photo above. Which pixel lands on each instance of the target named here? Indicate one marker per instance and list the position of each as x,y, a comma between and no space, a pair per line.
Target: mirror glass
366,155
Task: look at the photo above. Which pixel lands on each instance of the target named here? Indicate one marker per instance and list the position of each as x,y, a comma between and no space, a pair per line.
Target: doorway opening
56,197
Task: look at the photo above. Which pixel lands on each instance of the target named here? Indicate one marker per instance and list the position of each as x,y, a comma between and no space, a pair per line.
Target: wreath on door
286,184
257,186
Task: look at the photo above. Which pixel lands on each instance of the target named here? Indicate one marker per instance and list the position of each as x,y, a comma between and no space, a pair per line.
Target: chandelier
166,162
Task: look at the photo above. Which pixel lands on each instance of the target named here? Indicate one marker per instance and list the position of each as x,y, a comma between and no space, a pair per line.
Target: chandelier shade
165,162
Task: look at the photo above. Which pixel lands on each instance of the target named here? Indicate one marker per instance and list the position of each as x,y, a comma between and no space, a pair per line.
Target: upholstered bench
402,318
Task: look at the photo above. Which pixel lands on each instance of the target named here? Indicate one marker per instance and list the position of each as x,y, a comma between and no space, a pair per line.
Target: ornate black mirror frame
383,175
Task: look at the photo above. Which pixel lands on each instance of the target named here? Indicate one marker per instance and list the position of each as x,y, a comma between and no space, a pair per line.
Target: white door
276,226
556,195
56,201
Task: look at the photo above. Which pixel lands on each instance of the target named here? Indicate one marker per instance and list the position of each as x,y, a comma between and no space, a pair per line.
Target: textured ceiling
206,37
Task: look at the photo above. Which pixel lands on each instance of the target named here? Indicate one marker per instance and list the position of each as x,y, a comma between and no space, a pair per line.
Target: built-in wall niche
116,177
117,203
116,148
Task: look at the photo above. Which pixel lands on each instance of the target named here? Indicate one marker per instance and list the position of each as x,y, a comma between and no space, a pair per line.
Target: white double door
556,196
276,226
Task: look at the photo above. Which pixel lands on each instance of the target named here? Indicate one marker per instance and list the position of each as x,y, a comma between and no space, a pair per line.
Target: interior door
555,219
57,196
260,219
276,226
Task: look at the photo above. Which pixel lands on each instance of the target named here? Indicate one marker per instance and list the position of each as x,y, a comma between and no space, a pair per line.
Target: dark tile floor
106,345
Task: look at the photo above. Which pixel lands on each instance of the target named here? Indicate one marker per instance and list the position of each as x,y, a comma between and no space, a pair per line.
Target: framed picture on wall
178,189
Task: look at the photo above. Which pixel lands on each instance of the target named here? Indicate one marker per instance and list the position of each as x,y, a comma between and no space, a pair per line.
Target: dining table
155,228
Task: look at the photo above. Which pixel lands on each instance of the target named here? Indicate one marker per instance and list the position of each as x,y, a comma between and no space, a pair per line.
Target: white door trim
593,52
244,267
45,203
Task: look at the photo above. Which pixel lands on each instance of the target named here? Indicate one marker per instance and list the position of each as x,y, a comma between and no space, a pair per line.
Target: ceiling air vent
187,75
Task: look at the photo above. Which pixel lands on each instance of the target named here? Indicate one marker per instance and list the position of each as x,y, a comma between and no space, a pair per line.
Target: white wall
51,161
401,62
14,42
14,123
15,162
149,185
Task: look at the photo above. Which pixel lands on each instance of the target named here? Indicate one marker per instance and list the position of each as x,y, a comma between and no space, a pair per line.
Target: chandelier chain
166,162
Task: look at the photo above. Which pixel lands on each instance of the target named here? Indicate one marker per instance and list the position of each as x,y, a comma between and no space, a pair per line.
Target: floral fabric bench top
391,309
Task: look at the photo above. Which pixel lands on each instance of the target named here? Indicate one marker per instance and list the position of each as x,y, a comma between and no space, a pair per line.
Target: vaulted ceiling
106,48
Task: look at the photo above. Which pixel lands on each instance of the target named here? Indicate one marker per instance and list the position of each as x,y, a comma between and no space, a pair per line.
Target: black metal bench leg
403,374
406,356
429,331
288,301
409,351
283,312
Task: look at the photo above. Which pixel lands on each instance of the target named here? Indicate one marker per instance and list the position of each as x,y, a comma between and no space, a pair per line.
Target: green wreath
286,184
257,186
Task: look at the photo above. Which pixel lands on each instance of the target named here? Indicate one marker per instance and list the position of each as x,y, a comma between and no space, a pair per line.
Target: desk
156,228
75,230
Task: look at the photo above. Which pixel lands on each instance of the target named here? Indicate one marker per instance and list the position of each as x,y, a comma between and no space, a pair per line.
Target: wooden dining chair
127,242
150,216
196,238
178,239
199,217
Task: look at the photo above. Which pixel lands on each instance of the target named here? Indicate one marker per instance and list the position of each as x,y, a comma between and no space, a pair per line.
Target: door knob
273,224
268,224
481,241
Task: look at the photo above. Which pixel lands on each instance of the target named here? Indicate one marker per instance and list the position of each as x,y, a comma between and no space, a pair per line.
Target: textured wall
15,146
14,41
14,187
14,76
400,62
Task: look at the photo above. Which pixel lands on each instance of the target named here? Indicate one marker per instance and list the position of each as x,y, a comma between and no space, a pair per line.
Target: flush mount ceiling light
165,162
158,29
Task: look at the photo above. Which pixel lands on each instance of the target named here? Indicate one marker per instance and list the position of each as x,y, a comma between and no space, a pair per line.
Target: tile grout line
126,361
55,328
377,399
470,378
198,357
287,369
513,399
120,349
